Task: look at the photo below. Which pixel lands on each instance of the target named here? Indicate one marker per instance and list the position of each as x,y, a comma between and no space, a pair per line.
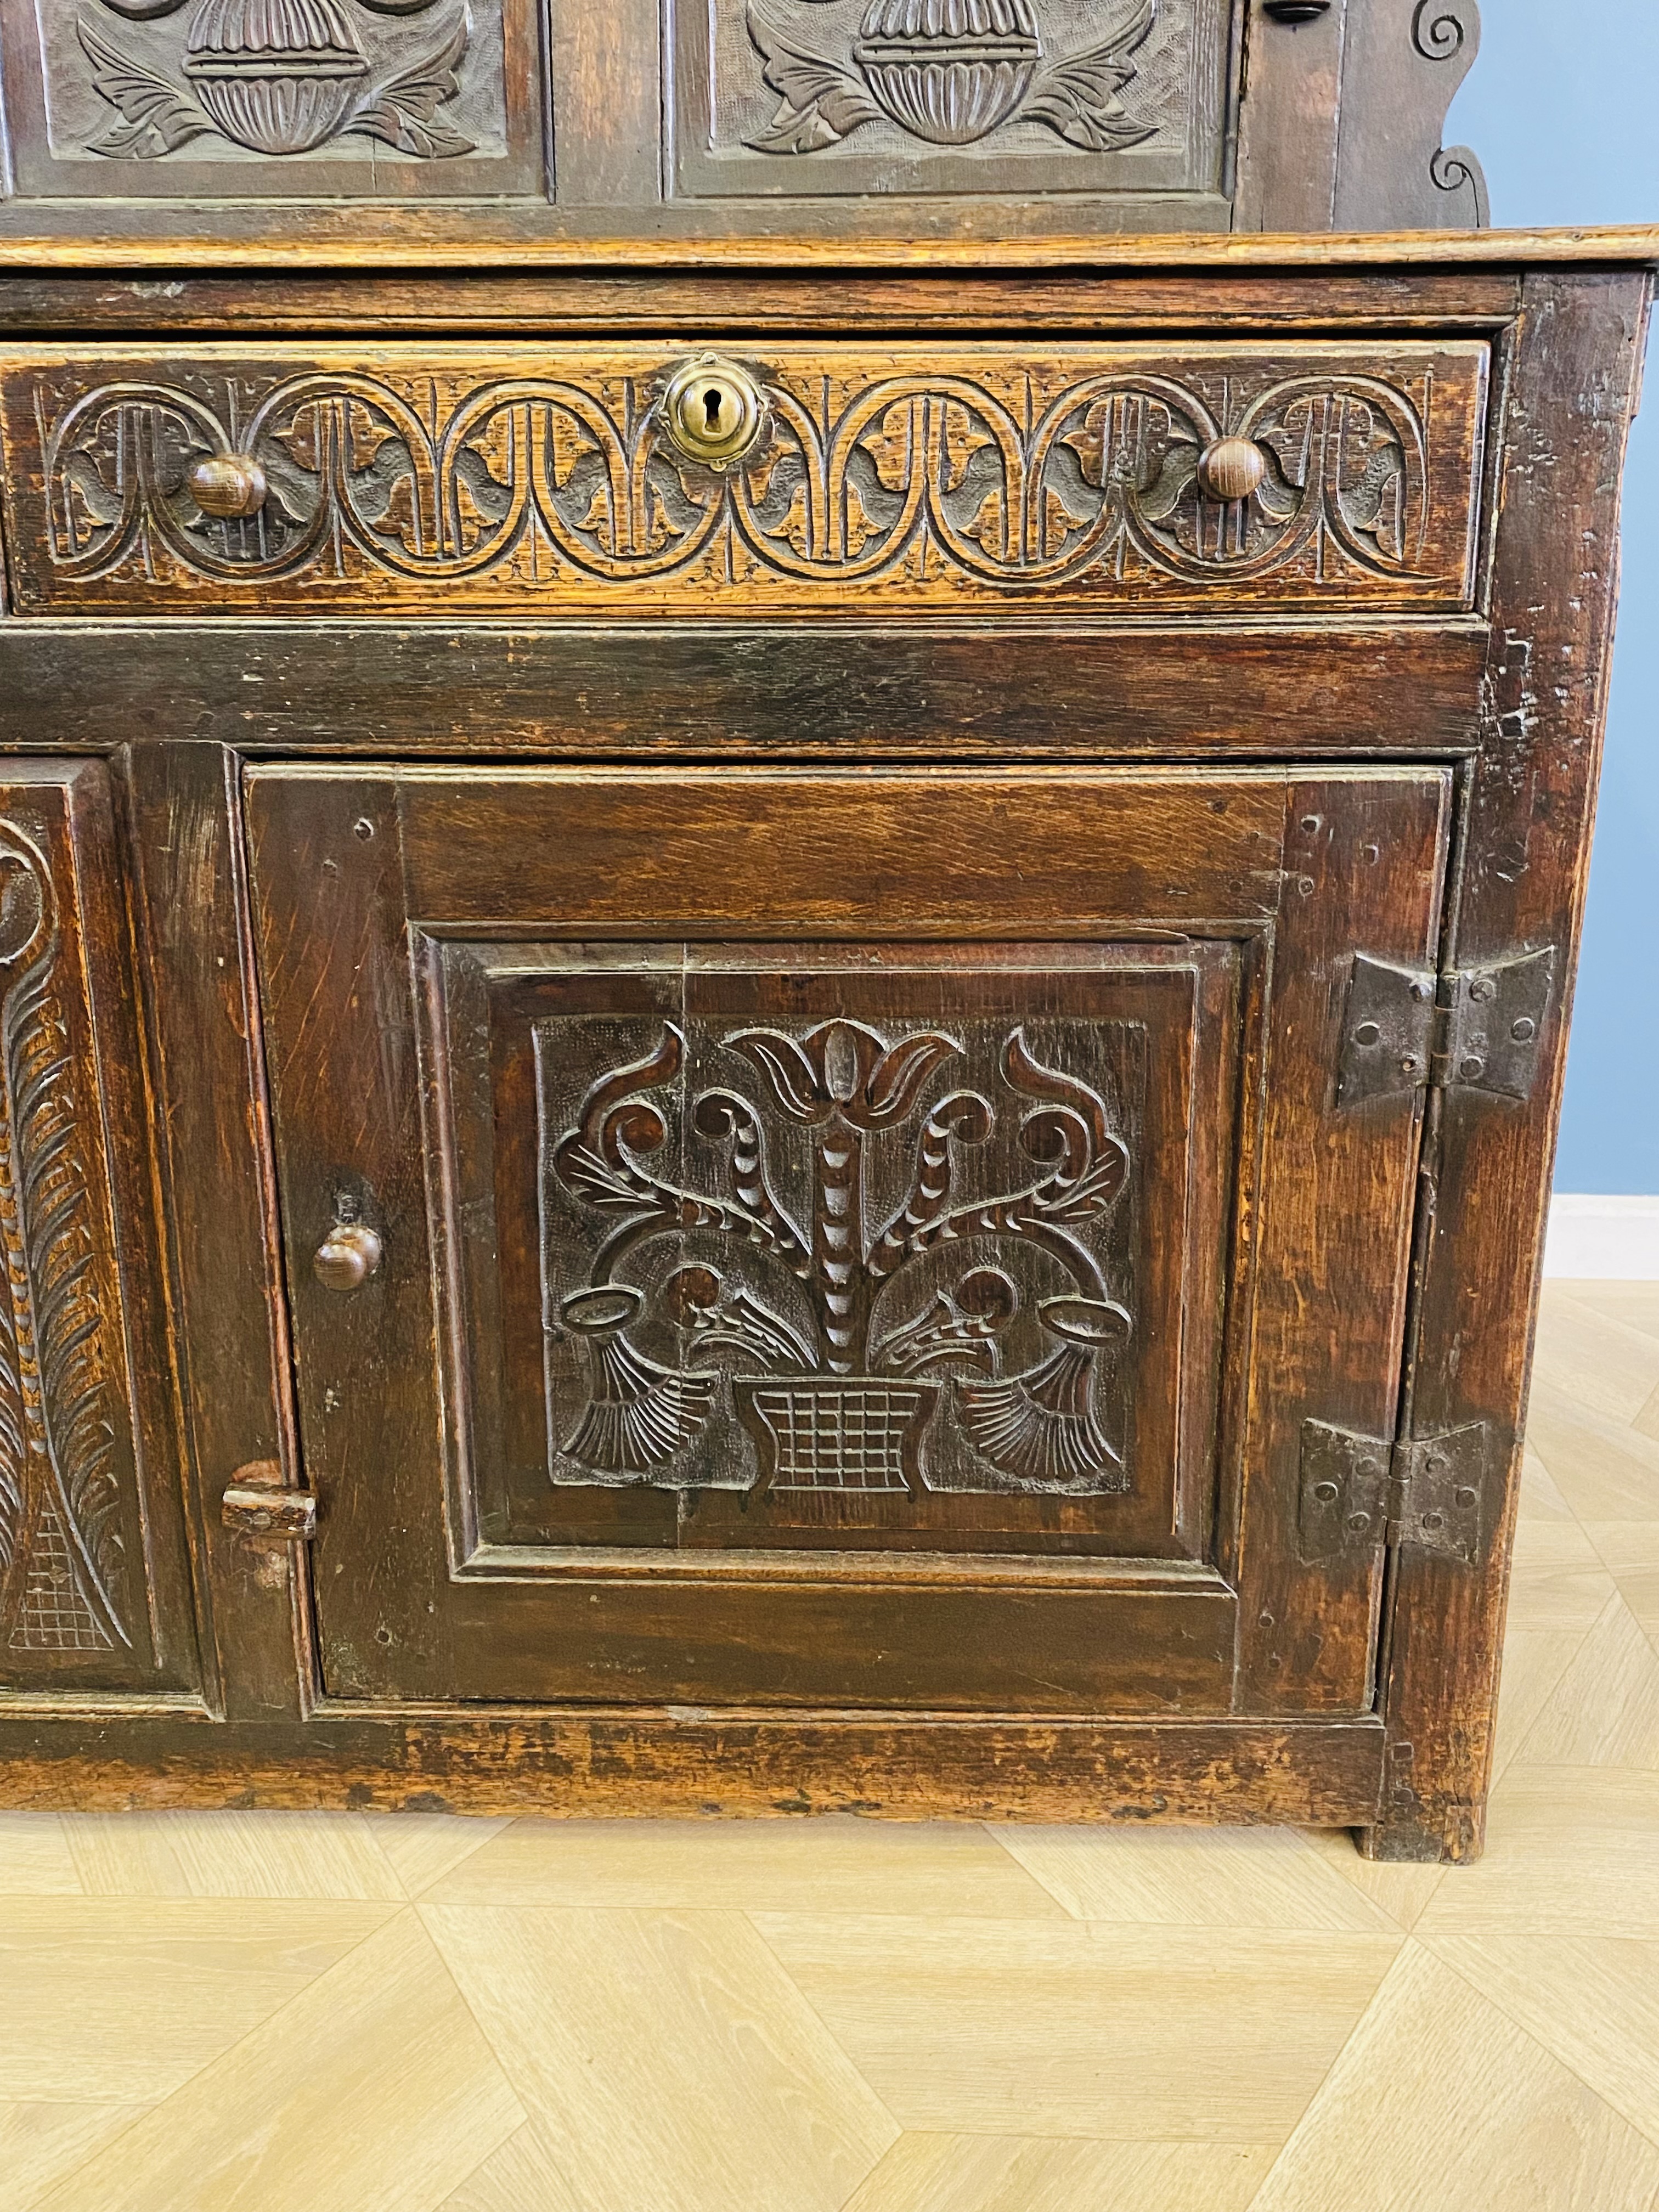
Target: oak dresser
788,885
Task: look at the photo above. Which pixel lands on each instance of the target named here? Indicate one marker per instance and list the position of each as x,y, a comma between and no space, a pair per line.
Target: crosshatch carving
62,1565
949,95
897,477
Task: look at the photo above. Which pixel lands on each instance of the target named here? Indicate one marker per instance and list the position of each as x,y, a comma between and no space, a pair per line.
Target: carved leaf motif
986,526
821,100
797,524
1040,1427
302,434
567,442
93,502
404,111
888,446
65,1553
1077,96
861,529
155,116
1059,523
640,1415
796,1085
891,1088
658,528
1291,442
14,1441
964,438
758,477
367,434
399,518
596,519
475,522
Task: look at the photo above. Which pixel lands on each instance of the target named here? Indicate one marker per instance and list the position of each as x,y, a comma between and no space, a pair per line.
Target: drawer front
525,480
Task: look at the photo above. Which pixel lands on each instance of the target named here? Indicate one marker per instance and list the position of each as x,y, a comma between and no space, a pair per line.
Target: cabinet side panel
1524,866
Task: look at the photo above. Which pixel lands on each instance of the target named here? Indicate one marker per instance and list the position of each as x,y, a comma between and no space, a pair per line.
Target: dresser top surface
391,240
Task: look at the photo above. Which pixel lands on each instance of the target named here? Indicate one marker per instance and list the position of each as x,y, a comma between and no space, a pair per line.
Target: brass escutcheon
714,410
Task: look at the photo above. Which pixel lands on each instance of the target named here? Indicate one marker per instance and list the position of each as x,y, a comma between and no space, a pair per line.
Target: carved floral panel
437,476
72,1558
255,97
834,1248
814,96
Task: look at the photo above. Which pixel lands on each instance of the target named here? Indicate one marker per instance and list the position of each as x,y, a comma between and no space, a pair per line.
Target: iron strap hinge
1404,1029
1360,1491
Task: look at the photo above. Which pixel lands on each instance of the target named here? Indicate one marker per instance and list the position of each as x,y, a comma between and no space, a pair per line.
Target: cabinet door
787,1239
93,1591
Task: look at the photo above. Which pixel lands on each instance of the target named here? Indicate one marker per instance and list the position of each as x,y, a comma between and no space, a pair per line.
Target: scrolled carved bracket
1403,62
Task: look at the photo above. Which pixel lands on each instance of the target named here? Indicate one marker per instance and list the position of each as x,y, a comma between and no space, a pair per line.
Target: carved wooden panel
863,1238
198,100
791,97
1063,477
87,1562
877,1247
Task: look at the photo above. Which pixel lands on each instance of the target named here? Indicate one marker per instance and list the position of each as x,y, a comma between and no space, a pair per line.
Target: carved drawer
1054,477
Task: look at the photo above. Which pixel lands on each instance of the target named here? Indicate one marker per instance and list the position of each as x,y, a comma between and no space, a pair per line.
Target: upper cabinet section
835,120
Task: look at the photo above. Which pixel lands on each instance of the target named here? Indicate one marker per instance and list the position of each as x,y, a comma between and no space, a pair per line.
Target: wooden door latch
258,1503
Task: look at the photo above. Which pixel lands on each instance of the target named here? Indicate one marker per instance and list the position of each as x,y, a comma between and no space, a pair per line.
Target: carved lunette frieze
954,484
62,1564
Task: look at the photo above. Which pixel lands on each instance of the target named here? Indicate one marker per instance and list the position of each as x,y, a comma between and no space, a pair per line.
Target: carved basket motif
857,1433
277,76
949,72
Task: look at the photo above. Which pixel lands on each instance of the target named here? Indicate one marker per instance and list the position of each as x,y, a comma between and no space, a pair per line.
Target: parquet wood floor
342,2013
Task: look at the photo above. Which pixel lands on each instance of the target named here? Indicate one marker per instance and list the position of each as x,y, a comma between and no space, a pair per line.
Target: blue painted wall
1562,106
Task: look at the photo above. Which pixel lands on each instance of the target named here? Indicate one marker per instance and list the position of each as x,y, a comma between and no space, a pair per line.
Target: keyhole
713,412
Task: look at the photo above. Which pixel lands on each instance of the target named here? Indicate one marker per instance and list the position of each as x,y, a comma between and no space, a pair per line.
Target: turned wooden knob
347,1256
227,486
1232,468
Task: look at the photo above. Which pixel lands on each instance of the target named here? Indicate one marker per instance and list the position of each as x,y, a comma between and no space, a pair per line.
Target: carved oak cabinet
785,1038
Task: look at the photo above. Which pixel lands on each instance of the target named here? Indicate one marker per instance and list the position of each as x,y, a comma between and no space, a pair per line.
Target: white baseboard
1612,1240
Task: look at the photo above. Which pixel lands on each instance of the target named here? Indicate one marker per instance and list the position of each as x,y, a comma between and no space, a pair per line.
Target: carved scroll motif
928,486
793,1310
61,1563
